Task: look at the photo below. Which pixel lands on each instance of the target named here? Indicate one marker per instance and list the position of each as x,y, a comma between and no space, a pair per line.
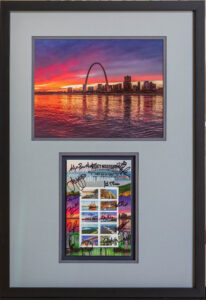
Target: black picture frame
198,289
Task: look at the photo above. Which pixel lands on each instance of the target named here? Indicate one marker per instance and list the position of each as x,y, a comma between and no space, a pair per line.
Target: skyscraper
90,89
99,87
152,86
127,83
146,86
116,87
69,90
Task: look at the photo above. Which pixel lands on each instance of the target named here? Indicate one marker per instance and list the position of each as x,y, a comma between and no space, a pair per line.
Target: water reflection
98,116
127,108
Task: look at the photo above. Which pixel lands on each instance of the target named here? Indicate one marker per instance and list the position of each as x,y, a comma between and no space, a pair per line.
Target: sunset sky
63,63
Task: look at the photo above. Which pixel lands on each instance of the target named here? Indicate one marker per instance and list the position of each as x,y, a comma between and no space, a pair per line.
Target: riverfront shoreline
100,94
99,116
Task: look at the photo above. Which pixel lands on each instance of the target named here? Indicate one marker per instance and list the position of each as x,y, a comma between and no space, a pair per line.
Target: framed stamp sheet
102,149
99,208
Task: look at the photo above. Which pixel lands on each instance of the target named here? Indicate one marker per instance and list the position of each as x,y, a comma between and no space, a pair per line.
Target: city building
104,89
116,87
160,90
149,86
99,87
127,83
136,87
152,86
90,89
69,90
109,88
146,86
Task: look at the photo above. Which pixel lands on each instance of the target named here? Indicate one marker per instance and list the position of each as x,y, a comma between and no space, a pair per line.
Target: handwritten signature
71,210
121,226
111,183
74,227
78,183
81,166
121,203
121,166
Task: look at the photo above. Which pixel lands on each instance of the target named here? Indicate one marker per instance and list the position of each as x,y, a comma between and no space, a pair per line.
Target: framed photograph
90,74
98,208
102,149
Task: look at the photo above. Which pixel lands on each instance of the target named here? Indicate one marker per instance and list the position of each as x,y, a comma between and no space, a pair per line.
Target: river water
98,116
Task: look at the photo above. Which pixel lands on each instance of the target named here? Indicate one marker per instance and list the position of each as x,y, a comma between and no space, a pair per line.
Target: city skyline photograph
64,63
98,88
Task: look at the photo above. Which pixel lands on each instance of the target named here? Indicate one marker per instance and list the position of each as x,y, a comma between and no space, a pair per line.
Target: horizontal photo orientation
98,88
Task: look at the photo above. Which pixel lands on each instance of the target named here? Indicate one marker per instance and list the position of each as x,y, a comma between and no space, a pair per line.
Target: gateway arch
105,75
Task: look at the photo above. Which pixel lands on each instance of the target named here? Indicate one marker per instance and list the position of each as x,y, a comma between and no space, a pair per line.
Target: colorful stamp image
108,217
108,240
108,194
90,229
89,217
89,205
108,205
108,229
89,194
89,240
